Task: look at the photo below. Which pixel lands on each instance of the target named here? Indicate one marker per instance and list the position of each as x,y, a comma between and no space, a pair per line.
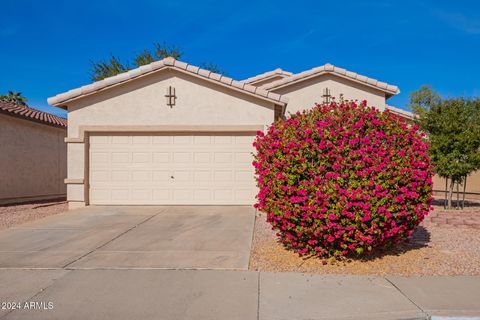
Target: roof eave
273,87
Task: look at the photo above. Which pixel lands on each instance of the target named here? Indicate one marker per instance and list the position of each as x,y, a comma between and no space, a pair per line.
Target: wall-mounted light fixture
171,97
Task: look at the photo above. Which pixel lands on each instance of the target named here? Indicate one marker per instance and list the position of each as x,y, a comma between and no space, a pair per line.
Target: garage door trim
84,131
192,131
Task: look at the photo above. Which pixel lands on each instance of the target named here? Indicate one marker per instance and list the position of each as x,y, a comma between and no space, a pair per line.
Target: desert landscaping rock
14,215
435,249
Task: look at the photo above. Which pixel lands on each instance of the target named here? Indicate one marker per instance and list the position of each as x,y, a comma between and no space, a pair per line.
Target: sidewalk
208,294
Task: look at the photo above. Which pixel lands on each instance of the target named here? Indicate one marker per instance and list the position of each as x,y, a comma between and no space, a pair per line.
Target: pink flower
342,178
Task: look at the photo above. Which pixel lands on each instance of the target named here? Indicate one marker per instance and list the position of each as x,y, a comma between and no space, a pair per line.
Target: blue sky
46,46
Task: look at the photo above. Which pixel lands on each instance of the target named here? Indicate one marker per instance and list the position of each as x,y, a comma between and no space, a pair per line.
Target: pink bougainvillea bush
343,179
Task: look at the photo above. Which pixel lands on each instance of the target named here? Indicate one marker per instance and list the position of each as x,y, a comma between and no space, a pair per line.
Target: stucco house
170,133
33,157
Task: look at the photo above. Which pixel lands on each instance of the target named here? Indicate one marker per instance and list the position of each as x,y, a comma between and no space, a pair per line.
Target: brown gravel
14,215
434,249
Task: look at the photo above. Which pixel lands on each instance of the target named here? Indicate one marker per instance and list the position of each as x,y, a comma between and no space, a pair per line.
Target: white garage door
171,169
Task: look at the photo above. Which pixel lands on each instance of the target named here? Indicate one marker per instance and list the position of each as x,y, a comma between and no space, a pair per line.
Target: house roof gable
269,74
165,64
389,89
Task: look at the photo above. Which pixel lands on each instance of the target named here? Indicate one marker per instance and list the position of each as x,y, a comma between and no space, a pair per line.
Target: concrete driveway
183,237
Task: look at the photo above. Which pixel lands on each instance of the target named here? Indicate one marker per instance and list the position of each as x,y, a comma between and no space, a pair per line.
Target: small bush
342,179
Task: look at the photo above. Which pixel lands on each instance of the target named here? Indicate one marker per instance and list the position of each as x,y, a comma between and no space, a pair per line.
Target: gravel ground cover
446,243
14,215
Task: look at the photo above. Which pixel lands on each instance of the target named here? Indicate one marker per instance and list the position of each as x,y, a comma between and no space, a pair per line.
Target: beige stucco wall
142,103
303,95
32,160
472,187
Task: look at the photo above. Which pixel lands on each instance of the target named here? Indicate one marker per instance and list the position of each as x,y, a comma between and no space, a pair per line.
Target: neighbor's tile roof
31,114
328,68
268,74
167,63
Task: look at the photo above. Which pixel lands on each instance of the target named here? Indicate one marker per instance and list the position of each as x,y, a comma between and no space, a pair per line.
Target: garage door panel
171,169
243,176
142,194
99,157
161,157
99,195
223,176
182,157
182,195
200,176
119,157
100,176
243,158
141,157
161,176
121,139
179,140
244,140
199,140
100,139
202,195
244,194
182,176
120,194
142,176
223,157
202,157
120,176
162,140
162,195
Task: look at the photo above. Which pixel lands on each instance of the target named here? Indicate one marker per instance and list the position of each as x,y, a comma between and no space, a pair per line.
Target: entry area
171,169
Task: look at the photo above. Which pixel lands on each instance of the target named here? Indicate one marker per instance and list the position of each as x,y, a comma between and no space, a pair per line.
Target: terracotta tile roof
268,74
31,114
167,63
328,68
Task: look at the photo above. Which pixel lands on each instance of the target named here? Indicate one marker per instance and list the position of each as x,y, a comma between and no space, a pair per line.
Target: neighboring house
172,133
32,154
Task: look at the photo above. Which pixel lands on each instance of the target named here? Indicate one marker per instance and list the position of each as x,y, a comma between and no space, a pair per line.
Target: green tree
108,68
213,68
160,52
15,97
113,66
423,99
453,128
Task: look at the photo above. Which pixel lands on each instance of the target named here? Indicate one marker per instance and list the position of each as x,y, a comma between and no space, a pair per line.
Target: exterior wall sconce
171,97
